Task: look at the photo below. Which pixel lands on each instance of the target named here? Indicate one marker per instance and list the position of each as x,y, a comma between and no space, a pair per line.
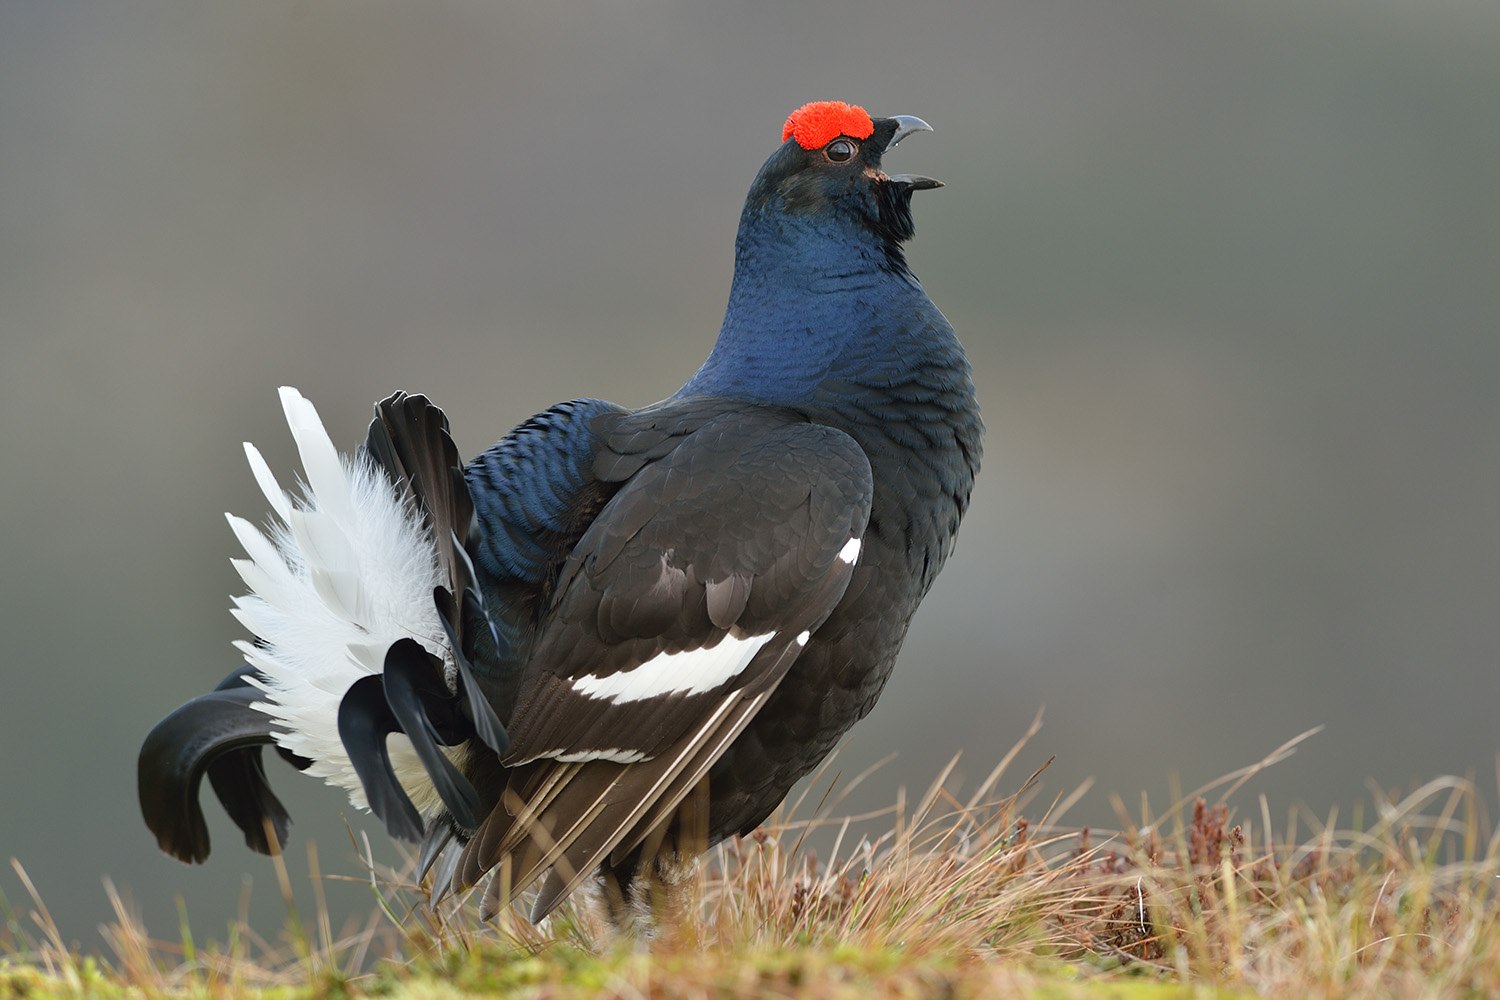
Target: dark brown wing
676,615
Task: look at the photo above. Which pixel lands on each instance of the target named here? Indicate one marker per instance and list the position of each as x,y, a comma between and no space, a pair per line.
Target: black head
829,165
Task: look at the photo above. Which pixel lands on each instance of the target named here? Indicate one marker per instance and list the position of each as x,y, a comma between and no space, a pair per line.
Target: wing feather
675,617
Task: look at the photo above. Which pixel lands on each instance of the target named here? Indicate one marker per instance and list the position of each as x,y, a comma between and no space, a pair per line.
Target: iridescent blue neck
809,303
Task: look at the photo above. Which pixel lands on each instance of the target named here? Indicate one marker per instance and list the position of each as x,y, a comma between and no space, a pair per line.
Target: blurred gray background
1229,274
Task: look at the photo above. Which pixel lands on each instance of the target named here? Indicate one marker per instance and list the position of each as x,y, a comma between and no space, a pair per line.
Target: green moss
566,972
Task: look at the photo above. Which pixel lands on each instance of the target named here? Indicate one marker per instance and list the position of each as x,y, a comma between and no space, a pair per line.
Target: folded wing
675,616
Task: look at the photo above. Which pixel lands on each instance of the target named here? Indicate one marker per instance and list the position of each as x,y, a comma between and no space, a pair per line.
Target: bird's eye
840,150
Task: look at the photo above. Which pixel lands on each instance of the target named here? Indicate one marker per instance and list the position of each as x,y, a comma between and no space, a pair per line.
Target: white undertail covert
348,568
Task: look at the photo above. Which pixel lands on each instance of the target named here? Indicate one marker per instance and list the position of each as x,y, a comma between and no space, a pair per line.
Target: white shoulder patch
850,552
584,756
692,671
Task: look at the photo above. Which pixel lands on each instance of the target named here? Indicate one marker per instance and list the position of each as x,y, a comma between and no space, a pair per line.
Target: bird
617,636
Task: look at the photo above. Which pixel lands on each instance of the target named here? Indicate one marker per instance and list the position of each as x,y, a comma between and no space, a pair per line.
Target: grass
979,895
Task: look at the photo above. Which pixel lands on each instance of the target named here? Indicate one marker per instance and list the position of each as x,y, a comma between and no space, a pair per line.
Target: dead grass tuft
962,895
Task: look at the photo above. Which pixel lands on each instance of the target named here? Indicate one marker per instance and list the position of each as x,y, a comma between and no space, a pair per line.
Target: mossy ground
571,973
955,897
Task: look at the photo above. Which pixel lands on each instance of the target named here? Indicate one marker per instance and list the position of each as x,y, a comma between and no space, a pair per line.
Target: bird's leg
651,897
611,886
661,894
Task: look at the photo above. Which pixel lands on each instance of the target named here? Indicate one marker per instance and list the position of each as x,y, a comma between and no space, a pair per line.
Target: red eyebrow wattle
819,123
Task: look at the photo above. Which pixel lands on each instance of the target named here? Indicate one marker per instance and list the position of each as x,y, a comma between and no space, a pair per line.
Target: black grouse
617,636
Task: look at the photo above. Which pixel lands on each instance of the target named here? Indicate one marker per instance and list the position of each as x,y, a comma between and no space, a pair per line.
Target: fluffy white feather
348,569
275,495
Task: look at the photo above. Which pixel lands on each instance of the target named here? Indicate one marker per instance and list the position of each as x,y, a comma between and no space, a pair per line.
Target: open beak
905,126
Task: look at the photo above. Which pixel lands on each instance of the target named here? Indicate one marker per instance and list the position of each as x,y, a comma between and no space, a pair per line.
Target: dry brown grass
979,894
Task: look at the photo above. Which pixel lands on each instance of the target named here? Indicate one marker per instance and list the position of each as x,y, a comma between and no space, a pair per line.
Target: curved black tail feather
458,622
365,720
221,735
409,439
430,715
